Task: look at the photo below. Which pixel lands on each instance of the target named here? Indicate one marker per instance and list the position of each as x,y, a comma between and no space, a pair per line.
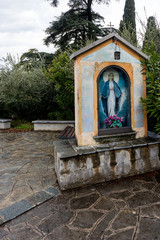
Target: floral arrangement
113,121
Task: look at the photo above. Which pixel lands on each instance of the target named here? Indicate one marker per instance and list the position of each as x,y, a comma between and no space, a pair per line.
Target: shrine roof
106,38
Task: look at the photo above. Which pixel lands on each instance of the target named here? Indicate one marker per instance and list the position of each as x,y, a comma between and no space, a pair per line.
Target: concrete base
5,123
81,166
41,125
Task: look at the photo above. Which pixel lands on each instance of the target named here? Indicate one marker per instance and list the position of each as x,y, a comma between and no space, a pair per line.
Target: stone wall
77,167
48,125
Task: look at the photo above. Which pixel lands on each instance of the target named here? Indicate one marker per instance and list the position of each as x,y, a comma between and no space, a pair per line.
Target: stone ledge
67,149
82,166
24,205
5,123
115,137
5,120
49,125
53,122
154,135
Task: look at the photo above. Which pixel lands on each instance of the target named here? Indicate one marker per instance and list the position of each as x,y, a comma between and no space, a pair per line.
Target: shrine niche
114,101
108,90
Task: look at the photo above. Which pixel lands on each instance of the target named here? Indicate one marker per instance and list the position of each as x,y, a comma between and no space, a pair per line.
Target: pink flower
110,119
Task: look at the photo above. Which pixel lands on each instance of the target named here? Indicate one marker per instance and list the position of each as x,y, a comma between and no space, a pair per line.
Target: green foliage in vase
113,121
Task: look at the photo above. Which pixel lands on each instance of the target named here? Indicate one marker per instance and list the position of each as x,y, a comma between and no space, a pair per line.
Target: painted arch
114,99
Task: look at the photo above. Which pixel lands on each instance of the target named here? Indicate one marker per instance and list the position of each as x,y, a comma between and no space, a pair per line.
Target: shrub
25,93
152,101
61,74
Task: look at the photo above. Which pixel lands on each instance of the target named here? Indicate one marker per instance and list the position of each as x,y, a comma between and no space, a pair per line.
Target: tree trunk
89,16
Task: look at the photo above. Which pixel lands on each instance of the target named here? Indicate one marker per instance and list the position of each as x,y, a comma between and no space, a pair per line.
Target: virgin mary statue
110,96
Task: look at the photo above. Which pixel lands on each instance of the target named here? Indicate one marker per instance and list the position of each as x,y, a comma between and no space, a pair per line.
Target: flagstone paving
94,213
127,209
26,165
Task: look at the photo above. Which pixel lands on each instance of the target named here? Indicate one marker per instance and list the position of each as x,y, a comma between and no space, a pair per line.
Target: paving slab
93,213
33,207
27,175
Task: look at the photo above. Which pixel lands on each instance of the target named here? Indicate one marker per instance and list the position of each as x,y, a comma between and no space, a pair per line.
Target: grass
24,126
21,125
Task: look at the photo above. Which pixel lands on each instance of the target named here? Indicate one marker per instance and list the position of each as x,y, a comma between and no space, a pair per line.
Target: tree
61,74
33,57
82,4
73,29
152,35
152,101
128,24
77,25
26,93
151,46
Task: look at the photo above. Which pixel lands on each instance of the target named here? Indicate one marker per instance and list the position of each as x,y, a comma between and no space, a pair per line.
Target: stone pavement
127,209
26,169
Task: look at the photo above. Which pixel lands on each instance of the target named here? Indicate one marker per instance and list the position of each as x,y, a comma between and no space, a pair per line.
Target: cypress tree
152,35
129,23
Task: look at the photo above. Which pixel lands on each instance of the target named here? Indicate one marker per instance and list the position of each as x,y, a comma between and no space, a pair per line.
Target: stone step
115,137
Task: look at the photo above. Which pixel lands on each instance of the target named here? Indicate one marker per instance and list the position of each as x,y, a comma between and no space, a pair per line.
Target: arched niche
114,99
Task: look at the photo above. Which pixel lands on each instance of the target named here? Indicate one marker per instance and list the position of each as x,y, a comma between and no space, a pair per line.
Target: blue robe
105,95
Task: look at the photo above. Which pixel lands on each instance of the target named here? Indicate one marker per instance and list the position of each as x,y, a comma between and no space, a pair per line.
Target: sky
23,23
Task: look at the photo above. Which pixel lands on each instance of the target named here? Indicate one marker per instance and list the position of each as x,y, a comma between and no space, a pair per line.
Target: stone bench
5,123
47,125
